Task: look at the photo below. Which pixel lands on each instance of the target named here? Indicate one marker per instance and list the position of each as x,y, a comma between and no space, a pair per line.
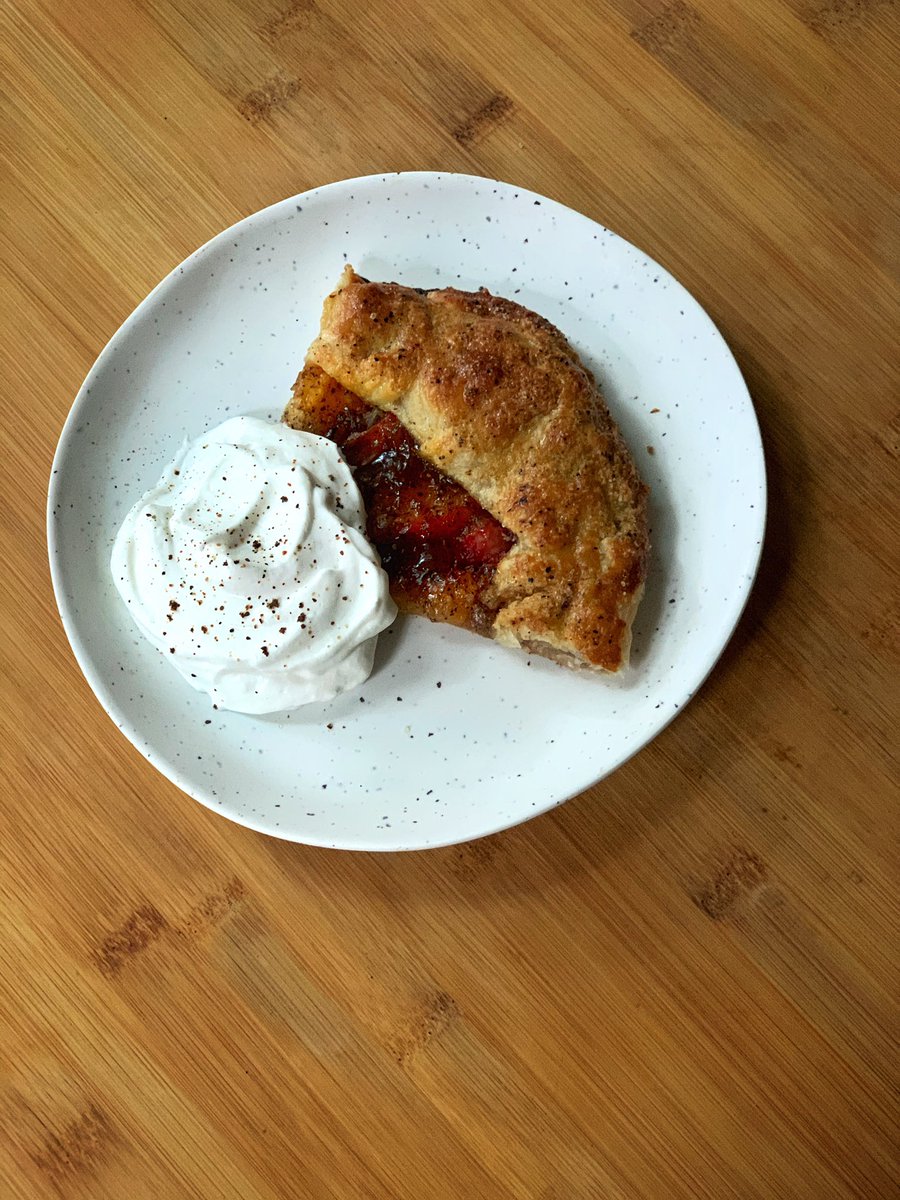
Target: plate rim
731,615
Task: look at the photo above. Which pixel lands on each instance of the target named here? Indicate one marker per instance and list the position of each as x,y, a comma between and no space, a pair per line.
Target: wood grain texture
681,984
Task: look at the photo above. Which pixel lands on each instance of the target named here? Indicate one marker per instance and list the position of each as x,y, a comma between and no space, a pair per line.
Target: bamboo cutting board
681,984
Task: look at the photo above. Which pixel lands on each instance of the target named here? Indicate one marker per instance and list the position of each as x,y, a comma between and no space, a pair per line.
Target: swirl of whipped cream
248,568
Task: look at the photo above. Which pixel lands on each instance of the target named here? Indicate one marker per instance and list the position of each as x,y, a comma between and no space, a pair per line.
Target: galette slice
499,492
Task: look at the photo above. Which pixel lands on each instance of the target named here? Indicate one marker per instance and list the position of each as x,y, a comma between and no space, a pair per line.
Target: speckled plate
452,737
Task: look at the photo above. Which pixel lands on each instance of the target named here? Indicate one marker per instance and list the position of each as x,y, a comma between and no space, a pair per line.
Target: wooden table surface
682,983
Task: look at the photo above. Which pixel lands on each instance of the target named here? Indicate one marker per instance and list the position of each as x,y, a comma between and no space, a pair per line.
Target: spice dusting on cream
248,567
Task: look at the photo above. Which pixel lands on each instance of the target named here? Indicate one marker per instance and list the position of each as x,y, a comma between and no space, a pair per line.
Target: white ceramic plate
452,737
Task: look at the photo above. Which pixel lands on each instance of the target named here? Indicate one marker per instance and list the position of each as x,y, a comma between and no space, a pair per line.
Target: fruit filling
438,545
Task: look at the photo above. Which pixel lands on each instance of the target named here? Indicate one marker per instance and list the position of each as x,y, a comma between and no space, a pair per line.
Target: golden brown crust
498,400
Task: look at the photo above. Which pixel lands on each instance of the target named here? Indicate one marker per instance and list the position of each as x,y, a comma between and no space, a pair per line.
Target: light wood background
681,984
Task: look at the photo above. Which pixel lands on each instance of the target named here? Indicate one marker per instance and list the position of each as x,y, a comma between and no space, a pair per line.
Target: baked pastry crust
497,399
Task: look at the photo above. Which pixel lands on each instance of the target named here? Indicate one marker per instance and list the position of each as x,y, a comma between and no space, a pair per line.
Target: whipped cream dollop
248,567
